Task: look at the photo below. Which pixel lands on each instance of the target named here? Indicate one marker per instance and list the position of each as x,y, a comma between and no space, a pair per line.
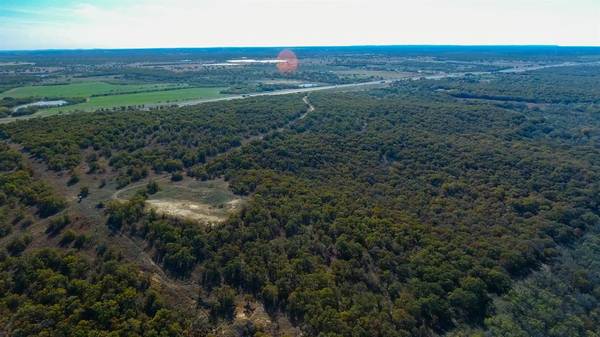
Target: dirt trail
185,291
310,109
134,186
159,275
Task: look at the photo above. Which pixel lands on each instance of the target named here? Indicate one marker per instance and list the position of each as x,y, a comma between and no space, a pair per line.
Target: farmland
83,89
92,96
144,98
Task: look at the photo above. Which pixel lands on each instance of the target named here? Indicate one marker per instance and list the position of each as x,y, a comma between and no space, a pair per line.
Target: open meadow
148,98
83,89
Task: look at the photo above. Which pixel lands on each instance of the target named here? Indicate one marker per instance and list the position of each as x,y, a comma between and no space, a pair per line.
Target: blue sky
43,24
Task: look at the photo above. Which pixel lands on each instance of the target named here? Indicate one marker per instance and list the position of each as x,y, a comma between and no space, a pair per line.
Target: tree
224,302
152,187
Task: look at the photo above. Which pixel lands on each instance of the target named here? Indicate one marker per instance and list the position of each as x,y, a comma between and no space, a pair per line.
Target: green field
211,192
84,89
150,95
144,98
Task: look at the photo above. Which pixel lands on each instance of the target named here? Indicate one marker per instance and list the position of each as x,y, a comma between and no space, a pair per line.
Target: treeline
9,81
573,84
461,53
229,75
7,105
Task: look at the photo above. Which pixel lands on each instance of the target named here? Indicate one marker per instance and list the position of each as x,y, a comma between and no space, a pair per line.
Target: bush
73,180
68,237
81,241
18,244
152,187
84,192
57,224
5,229
224,303
50,205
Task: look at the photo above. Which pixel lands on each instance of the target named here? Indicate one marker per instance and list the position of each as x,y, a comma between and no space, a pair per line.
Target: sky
57,24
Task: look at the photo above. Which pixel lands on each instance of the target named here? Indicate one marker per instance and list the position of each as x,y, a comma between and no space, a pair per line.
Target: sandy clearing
197,211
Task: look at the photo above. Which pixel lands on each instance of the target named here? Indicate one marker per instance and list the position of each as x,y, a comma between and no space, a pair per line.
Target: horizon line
300,46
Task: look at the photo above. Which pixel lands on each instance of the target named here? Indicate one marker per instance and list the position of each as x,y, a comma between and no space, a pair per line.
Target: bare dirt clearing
193,210
205,201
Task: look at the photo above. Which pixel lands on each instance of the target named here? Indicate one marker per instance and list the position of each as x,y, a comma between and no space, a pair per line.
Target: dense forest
403,211
137,141
18,190
556,85
53,292
424,209
49,293
559,300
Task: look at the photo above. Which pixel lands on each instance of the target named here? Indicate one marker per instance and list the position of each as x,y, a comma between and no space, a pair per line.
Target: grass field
144,98
212,192
152,95
83,89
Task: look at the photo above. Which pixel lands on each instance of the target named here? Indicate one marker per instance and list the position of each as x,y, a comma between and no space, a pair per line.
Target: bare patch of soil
192,210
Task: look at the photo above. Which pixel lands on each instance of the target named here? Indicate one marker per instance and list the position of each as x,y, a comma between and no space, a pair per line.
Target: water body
308,85
41,104
251,61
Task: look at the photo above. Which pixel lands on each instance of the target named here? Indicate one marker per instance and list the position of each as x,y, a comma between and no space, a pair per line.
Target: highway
382,82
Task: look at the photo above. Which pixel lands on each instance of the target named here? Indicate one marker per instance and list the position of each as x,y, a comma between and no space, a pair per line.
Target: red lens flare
288,62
